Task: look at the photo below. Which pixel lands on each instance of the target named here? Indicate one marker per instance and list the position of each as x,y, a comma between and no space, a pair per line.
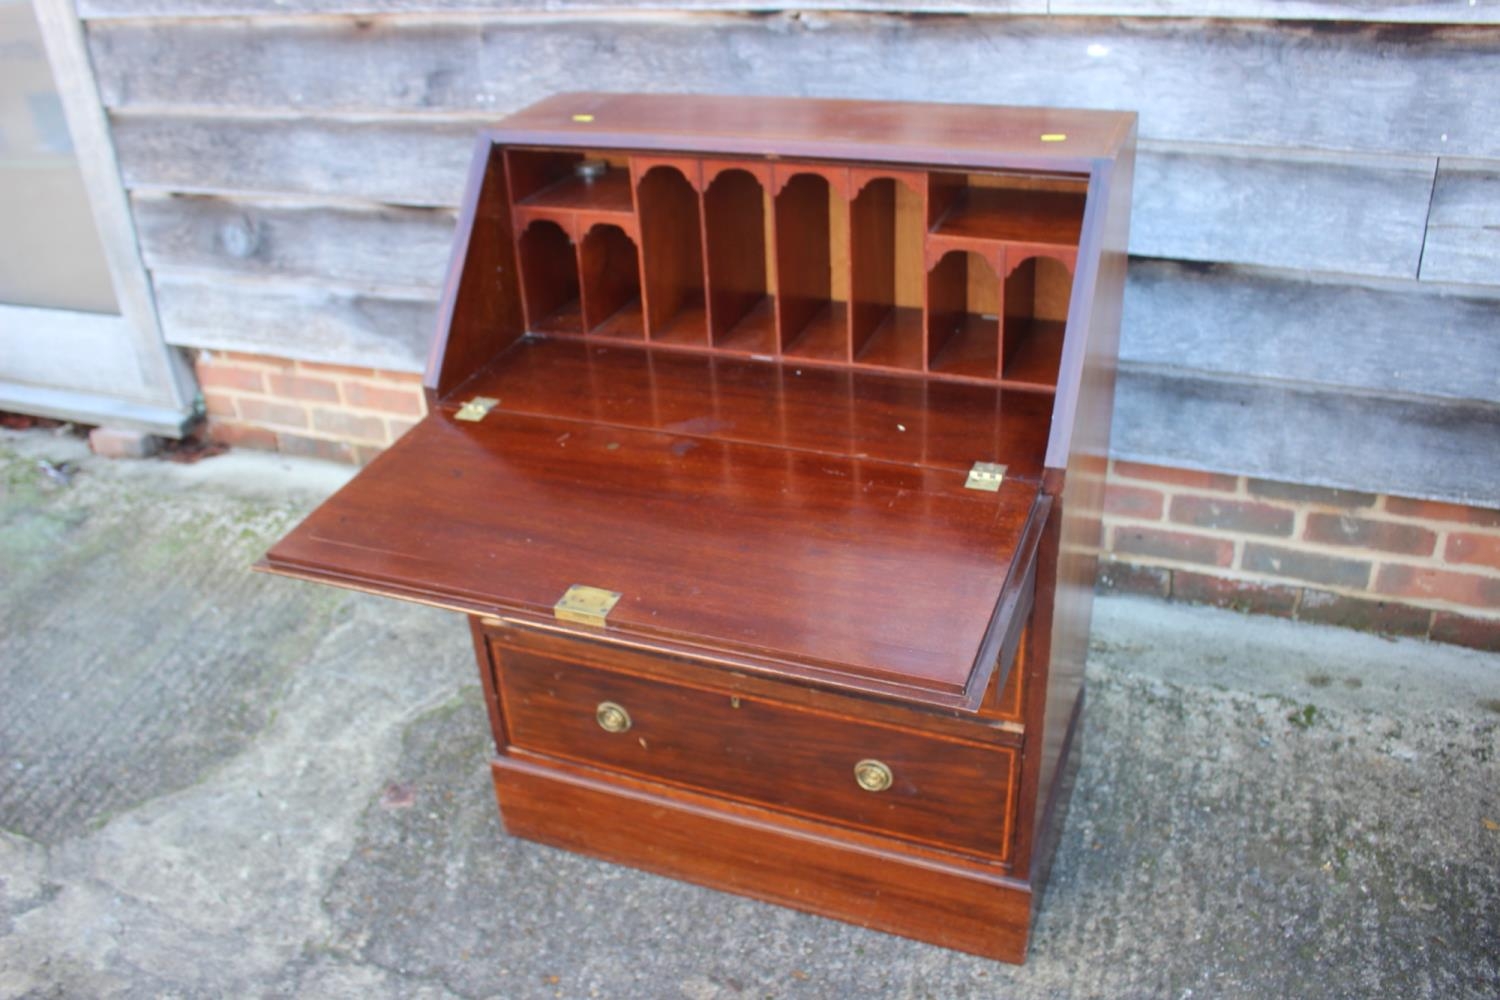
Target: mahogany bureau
765,453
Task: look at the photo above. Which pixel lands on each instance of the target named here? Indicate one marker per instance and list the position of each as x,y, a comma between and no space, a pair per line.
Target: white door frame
108,370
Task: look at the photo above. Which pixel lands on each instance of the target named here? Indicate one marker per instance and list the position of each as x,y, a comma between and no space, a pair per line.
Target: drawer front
938,790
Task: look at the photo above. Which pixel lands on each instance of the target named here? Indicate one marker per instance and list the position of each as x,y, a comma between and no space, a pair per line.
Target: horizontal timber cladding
408,162
1428,11
1348,214
1385,337
364,245
322,165
307,322
1407,446
1463,232
1202,80
1279,208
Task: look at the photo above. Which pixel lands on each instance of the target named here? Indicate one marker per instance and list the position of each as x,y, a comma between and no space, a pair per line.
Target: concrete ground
214,783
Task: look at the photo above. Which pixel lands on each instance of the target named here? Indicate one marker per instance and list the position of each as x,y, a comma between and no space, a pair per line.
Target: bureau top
875,131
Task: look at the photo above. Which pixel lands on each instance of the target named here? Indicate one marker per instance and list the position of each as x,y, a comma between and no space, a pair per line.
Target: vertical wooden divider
884,330
811,322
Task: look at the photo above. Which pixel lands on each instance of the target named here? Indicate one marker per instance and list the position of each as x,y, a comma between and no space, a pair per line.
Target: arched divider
1035,296
676,304
549,278
611,278
963,316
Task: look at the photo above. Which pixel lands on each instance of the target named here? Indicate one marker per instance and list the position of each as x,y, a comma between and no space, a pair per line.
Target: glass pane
49,249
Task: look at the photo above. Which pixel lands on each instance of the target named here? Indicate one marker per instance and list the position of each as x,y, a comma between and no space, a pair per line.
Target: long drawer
924,787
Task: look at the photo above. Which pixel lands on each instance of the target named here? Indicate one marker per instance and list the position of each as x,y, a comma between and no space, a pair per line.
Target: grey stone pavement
221,784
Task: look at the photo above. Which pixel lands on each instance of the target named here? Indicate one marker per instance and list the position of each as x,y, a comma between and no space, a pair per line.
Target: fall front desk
765,454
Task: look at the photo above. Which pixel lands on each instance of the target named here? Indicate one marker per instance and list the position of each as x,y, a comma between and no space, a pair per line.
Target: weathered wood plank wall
1316,294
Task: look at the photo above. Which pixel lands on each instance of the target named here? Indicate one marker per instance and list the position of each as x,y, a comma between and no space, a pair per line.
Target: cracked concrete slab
238,785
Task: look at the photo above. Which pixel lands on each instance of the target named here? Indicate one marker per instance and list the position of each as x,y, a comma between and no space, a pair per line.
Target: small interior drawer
942,790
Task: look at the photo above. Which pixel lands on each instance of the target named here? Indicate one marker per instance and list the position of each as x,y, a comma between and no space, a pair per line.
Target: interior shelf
969,346
609,193
1033,352
1015,210
569,180
754,332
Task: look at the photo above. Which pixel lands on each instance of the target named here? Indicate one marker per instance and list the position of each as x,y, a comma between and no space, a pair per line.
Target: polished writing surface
892,418
862,569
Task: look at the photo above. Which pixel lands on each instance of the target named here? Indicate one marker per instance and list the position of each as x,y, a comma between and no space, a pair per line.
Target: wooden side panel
1075,531
799,865
480,312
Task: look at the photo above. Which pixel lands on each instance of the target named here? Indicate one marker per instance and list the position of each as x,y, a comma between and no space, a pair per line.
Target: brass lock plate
985,476
476,408
584,605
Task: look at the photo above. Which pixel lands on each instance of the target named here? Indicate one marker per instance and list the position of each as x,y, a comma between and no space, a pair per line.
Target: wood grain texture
1419,11
1463,231
370,247
945,792
402,163
1201,81
1280,208
307,322
1381,338
1408,446
758,854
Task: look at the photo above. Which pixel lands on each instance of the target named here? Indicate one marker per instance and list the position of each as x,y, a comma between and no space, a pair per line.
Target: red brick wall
1385,563
321,411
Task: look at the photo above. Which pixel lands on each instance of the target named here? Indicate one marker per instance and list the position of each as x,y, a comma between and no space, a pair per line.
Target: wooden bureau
765,453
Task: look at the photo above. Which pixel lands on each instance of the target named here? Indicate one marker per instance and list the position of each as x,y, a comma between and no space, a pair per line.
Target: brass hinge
986,476
476,408
585,605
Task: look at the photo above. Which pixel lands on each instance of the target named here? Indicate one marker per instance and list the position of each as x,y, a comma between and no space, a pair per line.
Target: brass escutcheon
872,775
612,718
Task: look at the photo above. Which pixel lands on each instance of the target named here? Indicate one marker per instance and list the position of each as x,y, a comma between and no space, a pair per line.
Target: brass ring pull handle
872,775
612,718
